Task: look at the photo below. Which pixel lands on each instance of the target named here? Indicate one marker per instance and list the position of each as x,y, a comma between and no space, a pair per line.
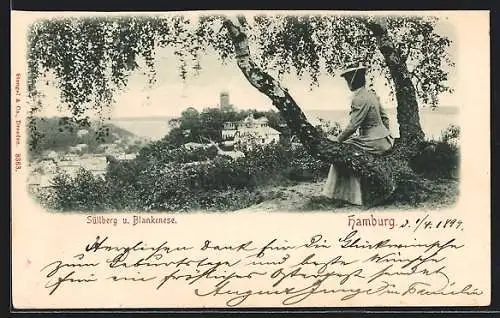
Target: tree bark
410,131
380,174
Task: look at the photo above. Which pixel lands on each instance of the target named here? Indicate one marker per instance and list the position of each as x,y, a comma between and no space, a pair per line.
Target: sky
170,95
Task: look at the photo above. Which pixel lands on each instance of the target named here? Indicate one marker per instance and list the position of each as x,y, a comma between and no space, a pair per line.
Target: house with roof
250,130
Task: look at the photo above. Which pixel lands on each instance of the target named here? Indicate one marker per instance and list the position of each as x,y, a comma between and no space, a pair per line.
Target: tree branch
378,173
264,83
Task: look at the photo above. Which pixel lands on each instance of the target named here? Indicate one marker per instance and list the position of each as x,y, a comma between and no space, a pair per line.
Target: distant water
433,121
151,128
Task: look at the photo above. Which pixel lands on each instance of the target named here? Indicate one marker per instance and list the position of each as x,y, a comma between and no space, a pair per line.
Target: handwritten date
426,223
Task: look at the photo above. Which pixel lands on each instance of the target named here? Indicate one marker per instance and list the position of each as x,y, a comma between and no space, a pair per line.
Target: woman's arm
382,112
385,118
359,109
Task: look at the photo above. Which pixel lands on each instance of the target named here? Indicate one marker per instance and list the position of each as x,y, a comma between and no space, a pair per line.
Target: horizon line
237,110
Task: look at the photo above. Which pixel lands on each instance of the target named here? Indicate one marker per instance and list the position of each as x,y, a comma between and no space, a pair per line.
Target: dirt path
307,197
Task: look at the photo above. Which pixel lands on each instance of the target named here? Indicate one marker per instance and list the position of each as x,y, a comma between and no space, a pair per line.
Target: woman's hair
356,78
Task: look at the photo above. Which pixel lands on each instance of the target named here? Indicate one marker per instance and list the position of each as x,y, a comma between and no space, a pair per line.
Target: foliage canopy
93,57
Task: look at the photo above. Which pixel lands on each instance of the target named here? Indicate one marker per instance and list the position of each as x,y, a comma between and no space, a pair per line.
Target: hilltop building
248,131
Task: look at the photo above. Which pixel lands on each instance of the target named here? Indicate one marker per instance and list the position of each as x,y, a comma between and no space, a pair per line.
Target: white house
194,145
96,164
78,148
110,149
47,166
126,156
82,132
250,130
49,154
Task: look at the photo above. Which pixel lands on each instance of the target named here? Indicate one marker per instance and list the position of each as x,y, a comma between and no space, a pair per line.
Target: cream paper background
40,237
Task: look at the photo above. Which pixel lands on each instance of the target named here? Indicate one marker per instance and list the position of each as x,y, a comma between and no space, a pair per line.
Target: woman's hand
333,138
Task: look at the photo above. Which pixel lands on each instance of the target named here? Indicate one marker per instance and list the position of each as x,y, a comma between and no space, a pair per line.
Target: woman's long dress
370,120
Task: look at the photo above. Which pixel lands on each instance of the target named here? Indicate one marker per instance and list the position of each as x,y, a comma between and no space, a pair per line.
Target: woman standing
368,118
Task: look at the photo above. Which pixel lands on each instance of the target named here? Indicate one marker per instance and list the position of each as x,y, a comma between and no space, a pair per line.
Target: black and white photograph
245,112
250,159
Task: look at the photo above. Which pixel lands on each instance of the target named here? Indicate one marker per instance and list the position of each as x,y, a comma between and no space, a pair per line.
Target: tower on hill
224,101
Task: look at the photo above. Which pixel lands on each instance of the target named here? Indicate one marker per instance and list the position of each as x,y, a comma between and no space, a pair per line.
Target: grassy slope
304,197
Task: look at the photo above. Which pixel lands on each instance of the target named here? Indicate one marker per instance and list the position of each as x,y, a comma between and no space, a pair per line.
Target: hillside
57,134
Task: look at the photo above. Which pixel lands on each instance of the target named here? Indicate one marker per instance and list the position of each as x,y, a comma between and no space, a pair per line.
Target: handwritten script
343,267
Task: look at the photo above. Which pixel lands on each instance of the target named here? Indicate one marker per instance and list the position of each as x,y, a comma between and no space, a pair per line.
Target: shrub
164,188
163,152
450,134
176,179
82,192
440,158
301,166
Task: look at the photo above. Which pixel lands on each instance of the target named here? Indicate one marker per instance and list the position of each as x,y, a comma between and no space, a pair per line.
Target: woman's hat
353,67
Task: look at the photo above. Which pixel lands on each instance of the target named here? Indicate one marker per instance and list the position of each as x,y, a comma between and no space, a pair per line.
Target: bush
82,192
304,167
440,158
450,134
163,152
177,179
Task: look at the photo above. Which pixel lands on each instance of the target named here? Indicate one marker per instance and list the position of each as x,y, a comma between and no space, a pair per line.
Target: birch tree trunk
410,131
380,175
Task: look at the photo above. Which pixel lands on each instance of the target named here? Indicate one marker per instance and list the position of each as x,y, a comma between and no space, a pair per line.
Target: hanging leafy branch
92,58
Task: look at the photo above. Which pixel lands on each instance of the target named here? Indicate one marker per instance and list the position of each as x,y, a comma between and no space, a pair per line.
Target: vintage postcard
250,159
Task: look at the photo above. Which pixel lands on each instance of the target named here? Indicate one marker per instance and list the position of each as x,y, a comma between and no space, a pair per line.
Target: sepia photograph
250,159
252,112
